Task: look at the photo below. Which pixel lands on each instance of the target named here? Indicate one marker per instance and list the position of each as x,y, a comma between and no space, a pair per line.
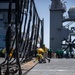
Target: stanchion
0,70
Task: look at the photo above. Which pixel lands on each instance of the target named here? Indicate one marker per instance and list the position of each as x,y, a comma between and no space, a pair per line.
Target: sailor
45,53
40,55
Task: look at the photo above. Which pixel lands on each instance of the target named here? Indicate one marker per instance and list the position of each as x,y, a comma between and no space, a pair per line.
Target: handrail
24,43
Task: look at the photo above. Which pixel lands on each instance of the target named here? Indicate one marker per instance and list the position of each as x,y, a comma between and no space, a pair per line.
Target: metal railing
21,46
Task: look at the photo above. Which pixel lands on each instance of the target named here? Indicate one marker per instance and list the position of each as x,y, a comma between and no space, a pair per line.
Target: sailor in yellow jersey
40,55
45,53
11,53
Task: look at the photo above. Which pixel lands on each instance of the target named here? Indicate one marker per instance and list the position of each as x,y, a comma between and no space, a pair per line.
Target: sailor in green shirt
50,53
58,53
61,53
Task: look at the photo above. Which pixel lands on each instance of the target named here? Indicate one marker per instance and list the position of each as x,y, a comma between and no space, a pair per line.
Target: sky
42,7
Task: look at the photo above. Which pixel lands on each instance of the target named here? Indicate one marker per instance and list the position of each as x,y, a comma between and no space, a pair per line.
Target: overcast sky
43,11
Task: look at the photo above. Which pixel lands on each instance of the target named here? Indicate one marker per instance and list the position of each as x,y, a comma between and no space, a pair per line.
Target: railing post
0,70
42,32
17,41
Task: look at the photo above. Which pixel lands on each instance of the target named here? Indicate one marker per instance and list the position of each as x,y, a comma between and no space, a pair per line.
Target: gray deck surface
55,67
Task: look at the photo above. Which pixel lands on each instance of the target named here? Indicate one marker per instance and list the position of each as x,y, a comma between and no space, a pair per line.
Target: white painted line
59,70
